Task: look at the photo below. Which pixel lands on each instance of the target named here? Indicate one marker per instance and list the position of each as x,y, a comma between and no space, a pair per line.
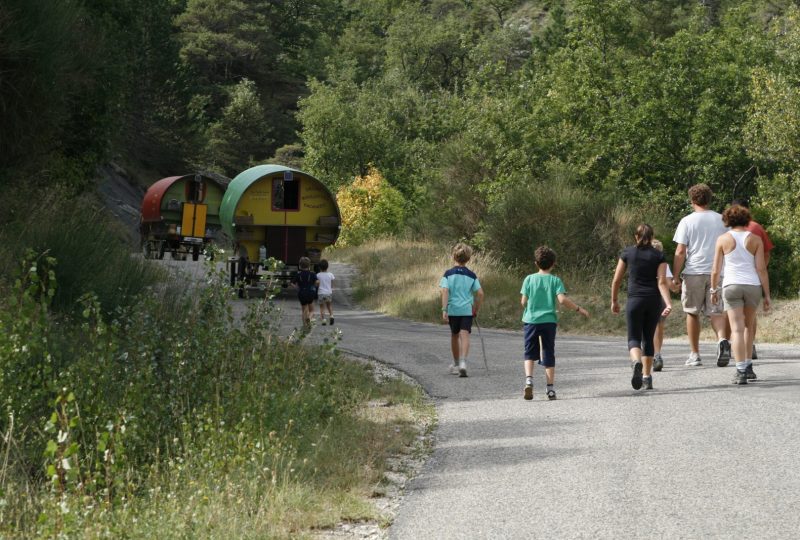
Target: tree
240,137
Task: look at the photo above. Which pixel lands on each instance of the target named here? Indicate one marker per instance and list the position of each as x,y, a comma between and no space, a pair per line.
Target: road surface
695,457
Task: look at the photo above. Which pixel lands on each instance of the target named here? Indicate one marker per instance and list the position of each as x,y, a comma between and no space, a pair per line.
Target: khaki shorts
696,296
736,296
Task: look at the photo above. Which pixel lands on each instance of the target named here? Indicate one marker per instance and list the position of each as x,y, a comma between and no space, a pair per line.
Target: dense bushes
104,394
587,230
638,100
89,249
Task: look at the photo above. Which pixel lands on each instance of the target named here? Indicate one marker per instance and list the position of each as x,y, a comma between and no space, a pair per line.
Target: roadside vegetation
401,278
133,406
164,416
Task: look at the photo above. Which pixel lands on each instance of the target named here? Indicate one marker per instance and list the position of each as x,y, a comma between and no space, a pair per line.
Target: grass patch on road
401,278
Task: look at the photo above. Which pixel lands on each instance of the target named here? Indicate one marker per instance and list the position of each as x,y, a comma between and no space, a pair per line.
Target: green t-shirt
542,291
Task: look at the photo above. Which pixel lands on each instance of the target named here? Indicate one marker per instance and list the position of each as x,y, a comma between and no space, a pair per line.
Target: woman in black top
648,300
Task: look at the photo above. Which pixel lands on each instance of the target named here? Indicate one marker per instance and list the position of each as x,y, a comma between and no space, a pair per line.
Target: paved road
696,457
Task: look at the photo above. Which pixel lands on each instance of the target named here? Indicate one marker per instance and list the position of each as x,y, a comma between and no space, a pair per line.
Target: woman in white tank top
743,285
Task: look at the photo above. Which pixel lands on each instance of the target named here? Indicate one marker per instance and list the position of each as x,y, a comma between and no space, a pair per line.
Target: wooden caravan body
180,214
286,211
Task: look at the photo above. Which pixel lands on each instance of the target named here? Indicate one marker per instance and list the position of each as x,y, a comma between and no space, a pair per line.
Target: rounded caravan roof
151,203
242,182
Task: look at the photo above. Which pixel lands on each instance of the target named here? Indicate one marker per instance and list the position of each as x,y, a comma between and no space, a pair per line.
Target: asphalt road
695,457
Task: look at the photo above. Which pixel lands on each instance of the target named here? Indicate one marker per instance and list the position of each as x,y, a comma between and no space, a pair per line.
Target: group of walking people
720,269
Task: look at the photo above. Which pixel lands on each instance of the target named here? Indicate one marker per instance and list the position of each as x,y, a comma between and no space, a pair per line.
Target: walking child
658,338
540,291
306,282
325,292
462,297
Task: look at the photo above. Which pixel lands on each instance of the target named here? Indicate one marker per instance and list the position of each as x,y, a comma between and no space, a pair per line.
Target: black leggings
642,315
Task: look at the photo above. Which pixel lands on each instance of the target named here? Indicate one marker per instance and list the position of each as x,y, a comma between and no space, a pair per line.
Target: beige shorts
735,296
696,296
325,298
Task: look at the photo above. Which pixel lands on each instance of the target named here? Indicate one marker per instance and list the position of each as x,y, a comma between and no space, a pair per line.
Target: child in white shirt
325,292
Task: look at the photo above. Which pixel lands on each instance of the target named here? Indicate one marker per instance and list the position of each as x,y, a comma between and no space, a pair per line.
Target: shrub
115,393
90,250
586,230
370,208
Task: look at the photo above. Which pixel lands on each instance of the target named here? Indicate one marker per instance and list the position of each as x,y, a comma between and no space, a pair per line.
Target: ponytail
644,235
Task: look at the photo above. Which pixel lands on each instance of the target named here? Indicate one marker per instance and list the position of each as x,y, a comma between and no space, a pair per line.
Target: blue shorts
459,323
546,354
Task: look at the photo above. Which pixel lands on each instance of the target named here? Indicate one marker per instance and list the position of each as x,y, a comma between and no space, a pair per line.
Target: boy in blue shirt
462,297
540,291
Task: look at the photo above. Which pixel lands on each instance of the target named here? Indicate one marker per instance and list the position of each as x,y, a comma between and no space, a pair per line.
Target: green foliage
586,230
119,394
47,60
90,251
240,135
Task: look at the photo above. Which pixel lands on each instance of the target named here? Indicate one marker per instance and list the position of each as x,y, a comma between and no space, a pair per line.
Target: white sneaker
694,360
453,369
462,368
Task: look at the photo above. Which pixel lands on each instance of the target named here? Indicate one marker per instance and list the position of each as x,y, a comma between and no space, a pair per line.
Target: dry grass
401,278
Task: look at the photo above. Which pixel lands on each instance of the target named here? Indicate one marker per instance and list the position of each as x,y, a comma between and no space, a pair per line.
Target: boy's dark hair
741,202
323,265
545,257
462,253
736,216
700,194
305,263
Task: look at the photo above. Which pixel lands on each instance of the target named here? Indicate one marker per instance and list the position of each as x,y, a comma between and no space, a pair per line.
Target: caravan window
285,195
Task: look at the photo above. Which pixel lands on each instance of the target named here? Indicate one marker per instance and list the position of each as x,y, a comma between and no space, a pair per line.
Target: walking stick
483,345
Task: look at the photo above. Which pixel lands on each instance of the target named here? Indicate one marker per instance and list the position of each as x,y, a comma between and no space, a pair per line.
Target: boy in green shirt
539,294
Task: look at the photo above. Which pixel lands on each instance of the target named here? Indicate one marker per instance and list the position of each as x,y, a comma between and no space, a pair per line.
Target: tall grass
165,416
401,277
87,245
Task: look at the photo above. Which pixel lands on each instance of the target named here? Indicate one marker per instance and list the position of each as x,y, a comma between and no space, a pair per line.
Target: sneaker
331,321
723,353
551,394
647,382
453,369
636,380
749,373
528,392
324,322
694,360
755,355
740,377
658,362
462,368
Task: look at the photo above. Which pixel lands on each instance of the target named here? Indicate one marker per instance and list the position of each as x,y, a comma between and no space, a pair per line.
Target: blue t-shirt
462,284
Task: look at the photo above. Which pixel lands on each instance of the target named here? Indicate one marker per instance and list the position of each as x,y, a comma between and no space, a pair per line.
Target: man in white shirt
696,237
